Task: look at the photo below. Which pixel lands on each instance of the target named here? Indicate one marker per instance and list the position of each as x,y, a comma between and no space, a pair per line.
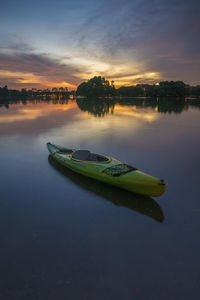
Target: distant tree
96,87
131,91
24,93
194,91
171,89
5,91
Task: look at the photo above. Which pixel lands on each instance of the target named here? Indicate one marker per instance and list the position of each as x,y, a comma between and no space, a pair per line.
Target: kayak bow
108,170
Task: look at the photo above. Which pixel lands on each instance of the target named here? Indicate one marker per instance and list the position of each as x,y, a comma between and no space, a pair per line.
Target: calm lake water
64,236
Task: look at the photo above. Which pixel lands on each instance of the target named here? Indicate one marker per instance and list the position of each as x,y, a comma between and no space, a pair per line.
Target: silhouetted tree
131,91
194,91
96,87
171,89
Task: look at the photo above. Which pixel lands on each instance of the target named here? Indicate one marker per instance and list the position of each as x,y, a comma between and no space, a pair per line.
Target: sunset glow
68,43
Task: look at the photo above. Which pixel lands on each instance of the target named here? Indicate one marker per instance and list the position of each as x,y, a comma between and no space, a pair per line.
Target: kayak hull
134,180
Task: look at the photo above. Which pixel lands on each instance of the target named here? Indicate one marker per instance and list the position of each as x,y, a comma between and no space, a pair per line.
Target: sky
61,43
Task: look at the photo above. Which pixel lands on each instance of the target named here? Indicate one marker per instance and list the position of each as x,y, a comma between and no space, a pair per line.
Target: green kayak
108,170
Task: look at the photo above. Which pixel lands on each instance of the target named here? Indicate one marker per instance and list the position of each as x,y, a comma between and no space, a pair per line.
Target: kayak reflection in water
139,203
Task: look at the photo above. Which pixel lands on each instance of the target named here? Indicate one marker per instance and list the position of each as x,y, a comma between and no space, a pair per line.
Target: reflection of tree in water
101,107
168,105
162,105
194,103
97,107
6,103
138,102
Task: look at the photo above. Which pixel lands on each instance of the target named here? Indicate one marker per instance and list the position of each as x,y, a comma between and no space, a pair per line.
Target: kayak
108,170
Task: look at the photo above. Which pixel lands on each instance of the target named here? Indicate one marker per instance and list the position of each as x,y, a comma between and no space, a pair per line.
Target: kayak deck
108,170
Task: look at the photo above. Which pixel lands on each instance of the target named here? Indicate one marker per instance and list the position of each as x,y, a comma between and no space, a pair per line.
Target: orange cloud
31,70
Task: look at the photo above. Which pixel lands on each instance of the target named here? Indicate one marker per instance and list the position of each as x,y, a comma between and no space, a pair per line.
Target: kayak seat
81,154
88,156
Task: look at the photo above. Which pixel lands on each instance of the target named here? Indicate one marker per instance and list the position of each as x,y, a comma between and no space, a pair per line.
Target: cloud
151,36
14,42
36,69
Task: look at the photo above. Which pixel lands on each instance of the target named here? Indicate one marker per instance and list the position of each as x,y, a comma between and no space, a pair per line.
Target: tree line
6,94
99,87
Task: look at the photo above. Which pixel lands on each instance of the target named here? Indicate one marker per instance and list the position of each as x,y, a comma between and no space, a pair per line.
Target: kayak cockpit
86,155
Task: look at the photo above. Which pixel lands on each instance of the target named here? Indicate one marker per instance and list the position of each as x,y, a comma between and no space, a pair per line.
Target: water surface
64,236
